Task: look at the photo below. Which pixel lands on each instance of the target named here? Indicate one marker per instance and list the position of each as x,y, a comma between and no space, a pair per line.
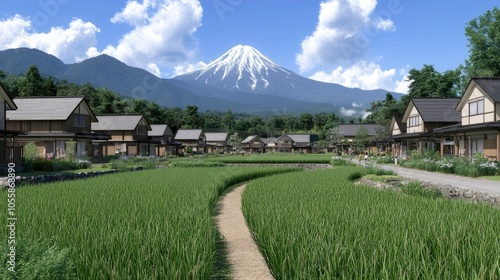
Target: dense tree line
104,101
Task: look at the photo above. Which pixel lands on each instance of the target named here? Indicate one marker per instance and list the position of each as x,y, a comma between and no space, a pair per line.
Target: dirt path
244,256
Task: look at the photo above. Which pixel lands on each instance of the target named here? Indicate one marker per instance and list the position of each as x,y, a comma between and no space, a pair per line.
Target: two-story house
478,130
50,122
129,134
9,151
253,144
294,143
271,144
164,135
193,138
217,142
422,116
347,136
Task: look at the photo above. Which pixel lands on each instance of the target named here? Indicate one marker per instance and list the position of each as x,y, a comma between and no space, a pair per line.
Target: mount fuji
245,69
242,79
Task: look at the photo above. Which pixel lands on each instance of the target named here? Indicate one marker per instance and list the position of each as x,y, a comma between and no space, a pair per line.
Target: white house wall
396,130
415,129
489,109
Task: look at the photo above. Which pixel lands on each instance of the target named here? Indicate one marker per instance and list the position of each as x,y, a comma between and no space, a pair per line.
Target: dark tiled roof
188,134
44,108
116,122
159,130
300,138
249,139
491,86
350,130
216,136
437,109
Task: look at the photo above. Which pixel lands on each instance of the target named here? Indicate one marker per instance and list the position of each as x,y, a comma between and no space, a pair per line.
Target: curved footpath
244,256
481,185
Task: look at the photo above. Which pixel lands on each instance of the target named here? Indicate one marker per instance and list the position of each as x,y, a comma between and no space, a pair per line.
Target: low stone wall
448,191
40,179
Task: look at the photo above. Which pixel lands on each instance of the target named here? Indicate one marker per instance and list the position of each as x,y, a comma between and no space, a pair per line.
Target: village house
271,144
50,122
129,135
422,116
217,142
478,129
193,138
164,135
9,151
348,133
253,144
294,143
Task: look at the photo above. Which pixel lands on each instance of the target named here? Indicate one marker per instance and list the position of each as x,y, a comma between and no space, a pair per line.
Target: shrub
355,176
338,161
415,189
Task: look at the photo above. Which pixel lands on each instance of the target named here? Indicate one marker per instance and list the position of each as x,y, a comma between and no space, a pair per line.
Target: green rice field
319,225
154,224
276,158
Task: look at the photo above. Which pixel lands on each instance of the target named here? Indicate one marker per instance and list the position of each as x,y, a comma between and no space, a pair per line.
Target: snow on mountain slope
245,69
241,68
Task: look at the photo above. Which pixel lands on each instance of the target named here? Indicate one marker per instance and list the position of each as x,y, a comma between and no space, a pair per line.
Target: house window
413,121
141,130
79,120
476,107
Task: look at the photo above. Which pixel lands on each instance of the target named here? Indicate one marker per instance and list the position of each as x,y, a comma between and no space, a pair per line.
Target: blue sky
358,43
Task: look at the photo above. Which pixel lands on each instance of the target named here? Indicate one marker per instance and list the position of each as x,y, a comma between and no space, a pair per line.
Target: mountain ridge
107,71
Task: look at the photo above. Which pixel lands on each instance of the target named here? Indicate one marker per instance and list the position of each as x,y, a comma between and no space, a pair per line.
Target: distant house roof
188,134
269,140
7,98
160,130
300,138
116,122
436,109
216,136
250,139
46,108
351,130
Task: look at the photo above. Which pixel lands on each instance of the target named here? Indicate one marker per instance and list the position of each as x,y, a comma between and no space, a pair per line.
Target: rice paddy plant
154,224
276,158
196,163
318,225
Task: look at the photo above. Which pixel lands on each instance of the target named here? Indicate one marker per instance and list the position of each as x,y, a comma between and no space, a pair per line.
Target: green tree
362,138
483,34
49,87
33,83
212,121
427,82
191,118
228,121
235,141
306,121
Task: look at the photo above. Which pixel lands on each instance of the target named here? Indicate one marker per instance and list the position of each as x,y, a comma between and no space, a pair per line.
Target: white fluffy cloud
69,44
183,68
163,33
342,34
365,75
341,40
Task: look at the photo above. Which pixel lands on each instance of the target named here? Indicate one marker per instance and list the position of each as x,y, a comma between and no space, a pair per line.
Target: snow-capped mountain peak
241,68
